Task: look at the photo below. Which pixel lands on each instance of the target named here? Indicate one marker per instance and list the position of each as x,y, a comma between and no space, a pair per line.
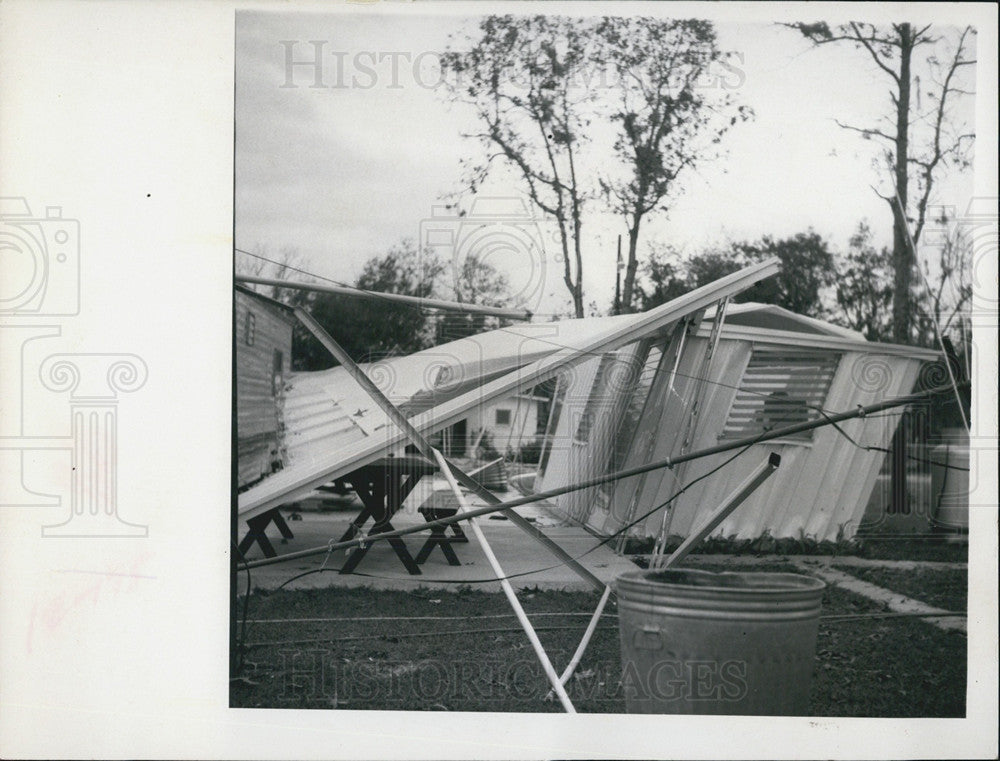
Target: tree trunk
902,257
578,254
578,285
628,305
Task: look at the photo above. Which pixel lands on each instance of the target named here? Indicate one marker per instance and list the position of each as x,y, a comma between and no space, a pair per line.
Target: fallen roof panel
570,344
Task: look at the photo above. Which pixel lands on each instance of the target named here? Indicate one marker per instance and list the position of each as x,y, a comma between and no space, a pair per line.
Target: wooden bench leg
355,528
397,544
279,521
449,553
353,558
438,538
257,533
404,555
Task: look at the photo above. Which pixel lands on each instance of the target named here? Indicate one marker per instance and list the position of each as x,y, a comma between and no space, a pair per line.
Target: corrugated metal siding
592,451
820,489
313,418
258,405
575,384
561,345
641,447
727,365
255,403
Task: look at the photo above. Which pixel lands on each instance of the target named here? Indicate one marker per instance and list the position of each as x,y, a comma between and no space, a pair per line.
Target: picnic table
383,486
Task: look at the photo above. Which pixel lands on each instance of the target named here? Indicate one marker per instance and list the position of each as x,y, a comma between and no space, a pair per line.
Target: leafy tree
669,120
807,268
526,79
662,278
475,281
712,264
918,142
864,287
372,328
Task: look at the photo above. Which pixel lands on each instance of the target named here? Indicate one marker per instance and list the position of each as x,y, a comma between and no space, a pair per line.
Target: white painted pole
418,301
759,475
586,637
508,590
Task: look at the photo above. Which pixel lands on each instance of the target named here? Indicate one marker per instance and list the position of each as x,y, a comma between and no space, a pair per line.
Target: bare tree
285,265
949,281
672,113
941,142
526,79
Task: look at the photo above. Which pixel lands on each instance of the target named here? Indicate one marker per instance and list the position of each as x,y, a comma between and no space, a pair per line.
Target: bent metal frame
453,474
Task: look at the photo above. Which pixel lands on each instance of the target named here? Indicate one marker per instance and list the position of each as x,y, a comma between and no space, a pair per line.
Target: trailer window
277,375
251,329
780,387
599,396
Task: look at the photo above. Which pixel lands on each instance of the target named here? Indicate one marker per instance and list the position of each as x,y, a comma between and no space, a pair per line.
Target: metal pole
701,383
340,290
424,446
591,627
508,590
618,279
760,474
937,328
669,462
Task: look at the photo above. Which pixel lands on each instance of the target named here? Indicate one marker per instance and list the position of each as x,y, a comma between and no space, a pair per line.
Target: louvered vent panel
780,388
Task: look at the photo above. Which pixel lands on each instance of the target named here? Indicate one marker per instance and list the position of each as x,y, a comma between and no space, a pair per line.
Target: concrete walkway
530,563
896,602
827,560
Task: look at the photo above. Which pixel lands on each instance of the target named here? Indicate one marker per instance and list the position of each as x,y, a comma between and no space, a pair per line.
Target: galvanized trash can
696,642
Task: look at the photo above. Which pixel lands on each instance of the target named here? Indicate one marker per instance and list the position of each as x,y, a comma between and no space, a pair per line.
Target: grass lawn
910,548
933,548
946,588
463,651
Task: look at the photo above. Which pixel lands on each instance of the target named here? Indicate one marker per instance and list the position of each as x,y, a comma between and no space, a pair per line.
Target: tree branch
875,56
866,132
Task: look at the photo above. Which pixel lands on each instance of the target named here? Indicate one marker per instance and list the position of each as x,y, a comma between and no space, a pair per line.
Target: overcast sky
342,172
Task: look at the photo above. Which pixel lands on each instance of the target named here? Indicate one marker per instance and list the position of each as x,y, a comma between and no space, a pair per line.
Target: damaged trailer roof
542,351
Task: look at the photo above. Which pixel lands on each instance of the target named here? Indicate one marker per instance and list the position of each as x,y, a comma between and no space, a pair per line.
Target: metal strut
425,448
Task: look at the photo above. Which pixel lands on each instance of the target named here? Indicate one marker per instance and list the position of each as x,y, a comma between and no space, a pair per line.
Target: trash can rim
795,582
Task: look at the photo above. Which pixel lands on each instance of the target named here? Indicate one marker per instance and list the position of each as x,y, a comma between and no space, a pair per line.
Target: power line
341,289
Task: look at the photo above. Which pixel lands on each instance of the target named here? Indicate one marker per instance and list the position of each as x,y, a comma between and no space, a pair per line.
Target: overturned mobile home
734,373
630,390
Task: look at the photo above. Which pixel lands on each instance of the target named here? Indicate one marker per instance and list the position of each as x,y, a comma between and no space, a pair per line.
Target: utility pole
618,280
